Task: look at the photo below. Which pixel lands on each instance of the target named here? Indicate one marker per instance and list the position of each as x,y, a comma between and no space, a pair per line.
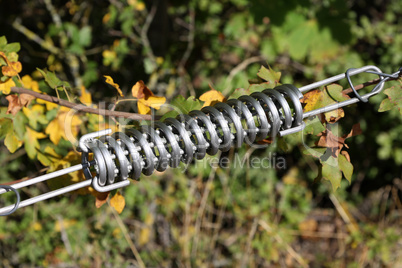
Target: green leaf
269,75
12,47
183,106
333,174
300,39
335,92
6,126
52,80
19,123
259,87
313,126
394,99
386,105
85,36
3,42
346,167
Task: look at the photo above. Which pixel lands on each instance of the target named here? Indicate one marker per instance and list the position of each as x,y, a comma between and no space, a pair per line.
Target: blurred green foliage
207,215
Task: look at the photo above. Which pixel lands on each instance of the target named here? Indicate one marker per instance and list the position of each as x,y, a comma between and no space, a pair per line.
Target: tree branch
366,84
80,107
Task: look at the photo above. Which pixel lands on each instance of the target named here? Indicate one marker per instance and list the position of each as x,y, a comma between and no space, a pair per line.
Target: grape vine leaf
182,105
269,75
394,99
52,80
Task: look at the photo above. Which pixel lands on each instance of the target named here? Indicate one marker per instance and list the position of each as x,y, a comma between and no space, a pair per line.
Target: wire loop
16,205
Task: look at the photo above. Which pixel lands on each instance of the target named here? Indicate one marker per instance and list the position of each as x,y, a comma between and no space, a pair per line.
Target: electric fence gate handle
116,157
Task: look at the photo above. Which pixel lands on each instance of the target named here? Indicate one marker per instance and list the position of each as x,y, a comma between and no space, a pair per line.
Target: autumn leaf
118,202
63,125
12,68
101,198
35,113
5,87
335,143
31,141
85,97
48,156
146,98
12,142
109,80
211,97
16,102
29,83
323,97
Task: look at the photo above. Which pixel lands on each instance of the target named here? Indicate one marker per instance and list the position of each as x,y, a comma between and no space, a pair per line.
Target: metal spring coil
244,120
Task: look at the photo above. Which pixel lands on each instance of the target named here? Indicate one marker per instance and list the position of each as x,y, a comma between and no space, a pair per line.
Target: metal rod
51,194
44,177
339,77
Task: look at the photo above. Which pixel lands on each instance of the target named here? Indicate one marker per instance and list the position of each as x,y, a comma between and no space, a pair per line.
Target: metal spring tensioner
117,157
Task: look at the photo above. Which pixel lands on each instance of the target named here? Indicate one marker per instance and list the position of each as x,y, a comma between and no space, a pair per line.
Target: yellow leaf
85,96
12,69
37,226
144,236
311,99
154,102
30,84
106,18
12,142
64,224
146,98
31,141
118,202
142,108
5,87
109,80
63,125
211,97
49,105
48,156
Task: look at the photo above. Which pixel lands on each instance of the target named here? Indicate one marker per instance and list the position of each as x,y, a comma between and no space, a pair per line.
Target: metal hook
83,145
8,188
350,72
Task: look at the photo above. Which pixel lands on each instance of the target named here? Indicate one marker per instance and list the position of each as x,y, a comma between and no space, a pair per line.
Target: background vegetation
205,216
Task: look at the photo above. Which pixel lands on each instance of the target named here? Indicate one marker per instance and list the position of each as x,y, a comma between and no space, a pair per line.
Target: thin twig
201,209
190,44
366,84
144,34
240,67
80,107
127,236
250,237
279,239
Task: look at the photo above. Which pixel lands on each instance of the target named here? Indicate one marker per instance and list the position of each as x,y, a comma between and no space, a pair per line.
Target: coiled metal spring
248,119
191,136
